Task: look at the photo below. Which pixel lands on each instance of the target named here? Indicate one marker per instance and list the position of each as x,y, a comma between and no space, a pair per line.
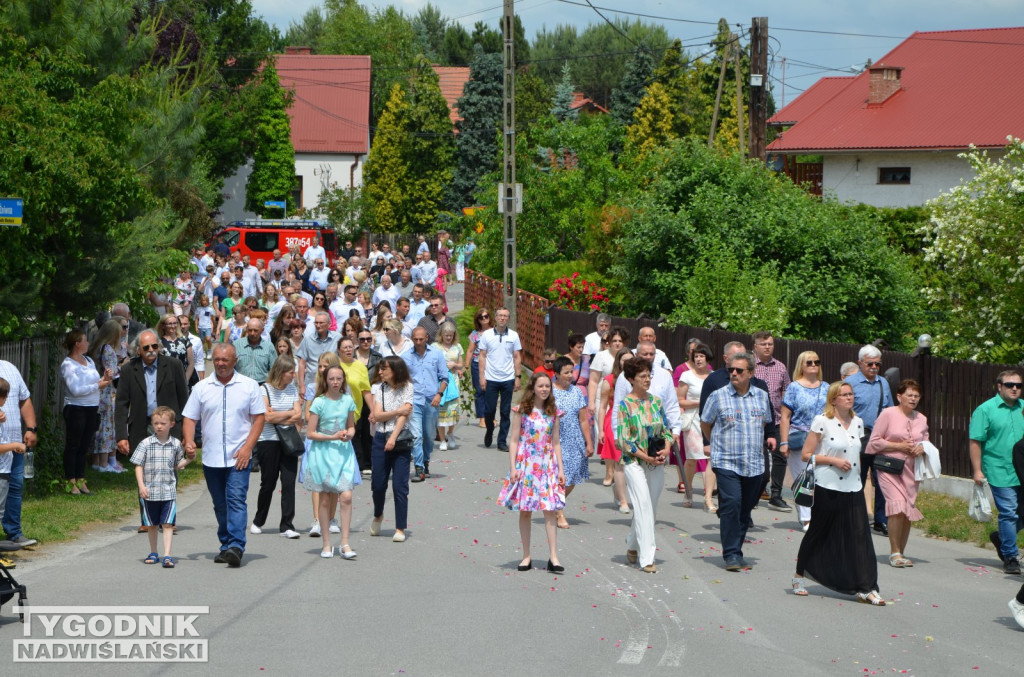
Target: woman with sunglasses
803,400
481,323
367,353
319,305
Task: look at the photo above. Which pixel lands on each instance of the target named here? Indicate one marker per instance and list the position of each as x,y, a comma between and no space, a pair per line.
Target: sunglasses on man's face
736,370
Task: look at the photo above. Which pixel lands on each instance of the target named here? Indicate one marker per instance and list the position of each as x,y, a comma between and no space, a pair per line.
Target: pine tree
652,126
384,176
480,109
273,162
430,154
560,106
633,87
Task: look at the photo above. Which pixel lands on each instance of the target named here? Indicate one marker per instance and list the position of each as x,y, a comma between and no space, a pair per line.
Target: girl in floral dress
536,479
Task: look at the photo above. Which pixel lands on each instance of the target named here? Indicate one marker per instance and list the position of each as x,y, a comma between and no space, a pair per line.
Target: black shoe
426,470
488,438
734,564
503,447
233,557
419,475
776,503
254,466
881,528
1011,566
525,567
555,568
995,540
219,559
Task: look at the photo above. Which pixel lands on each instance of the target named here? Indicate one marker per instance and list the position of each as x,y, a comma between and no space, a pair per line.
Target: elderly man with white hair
871,394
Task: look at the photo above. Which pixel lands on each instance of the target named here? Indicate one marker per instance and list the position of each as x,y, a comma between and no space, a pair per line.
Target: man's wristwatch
31,429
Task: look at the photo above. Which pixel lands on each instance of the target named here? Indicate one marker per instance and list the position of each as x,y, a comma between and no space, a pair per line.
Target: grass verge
58,517
946,517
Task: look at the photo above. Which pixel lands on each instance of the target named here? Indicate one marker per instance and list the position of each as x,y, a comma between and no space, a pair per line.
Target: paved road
449,601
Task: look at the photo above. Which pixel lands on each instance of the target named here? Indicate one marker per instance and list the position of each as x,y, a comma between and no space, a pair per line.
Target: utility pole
718,95
758,86
507,193
739,100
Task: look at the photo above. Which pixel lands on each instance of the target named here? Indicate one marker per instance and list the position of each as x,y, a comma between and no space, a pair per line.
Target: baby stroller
9,588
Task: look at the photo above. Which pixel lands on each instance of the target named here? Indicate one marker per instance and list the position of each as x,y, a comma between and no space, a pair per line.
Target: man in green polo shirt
996,426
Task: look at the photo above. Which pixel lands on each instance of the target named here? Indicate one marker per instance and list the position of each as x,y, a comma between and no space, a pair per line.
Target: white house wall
312,167
854,177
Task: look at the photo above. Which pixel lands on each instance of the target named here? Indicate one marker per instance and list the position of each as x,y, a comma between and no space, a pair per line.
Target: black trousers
81,424
275,463
362,443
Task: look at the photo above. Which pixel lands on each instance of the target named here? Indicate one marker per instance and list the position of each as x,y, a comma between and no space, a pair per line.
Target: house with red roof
330,127
891,135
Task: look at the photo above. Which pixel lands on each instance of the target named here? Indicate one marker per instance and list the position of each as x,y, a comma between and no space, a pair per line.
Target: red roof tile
331,108
452,80
810,100
955,91
581,101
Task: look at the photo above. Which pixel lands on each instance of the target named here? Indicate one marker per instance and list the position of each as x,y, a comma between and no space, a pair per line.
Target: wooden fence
531,312
950,390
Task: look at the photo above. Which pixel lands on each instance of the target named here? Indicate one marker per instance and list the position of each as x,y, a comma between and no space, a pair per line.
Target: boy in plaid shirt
156,458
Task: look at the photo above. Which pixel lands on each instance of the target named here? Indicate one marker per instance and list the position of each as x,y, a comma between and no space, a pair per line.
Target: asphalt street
449,600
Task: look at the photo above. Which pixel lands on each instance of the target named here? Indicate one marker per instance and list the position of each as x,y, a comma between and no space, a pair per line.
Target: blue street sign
280,204
10,211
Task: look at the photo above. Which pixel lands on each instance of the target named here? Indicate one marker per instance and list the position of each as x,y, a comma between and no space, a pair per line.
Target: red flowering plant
577,293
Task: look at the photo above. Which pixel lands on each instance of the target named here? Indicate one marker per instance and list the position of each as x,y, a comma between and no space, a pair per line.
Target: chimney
298,50
883,82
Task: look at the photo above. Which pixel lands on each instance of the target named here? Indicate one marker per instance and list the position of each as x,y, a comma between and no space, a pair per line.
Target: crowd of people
322,387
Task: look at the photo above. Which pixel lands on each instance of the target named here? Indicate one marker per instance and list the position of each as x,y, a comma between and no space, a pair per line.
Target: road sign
280,204
10,211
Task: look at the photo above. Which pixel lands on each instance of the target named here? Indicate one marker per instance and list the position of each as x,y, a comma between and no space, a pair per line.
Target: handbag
292,443
889,464
979,508
405,439
803,486
451,391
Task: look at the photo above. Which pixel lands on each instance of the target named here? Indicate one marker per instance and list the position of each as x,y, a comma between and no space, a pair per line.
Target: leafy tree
974,246
477,141
691,112
430,150
561,105
633,86
307,32
385,174
343,207
551,50
652,122
489,39
273,168
533,98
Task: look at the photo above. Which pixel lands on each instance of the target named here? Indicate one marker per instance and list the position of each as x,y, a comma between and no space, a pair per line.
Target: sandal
152,558
798,587
710,507
606,481
168,562
681,488
872,598
563,525
898,561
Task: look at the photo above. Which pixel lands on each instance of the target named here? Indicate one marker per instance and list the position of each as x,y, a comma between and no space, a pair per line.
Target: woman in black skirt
837,550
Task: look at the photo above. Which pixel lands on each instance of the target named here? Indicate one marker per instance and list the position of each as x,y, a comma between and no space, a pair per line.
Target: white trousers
643,484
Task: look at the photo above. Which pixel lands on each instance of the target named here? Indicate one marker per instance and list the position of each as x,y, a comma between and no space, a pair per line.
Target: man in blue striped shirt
739,422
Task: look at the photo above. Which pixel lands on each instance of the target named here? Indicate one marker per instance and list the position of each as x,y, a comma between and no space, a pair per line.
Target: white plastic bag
980,509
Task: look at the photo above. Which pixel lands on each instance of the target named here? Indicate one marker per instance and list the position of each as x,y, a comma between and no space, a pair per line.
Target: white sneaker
315,529
1018,611
98,468
444,446
335,527
255,529
806,526
375,527
366,472
290,533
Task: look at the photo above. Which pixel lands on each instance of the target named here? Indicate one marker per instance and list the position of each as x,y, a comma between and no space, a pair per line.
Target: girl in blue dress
331,461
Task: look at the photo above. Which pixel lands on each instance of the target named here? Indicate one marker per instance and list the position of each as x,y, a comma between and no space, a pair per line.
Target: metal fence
950,390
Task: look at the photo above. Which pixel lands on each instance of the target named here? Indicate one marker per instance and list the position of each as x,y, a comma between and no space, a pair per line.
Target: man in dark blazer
167,388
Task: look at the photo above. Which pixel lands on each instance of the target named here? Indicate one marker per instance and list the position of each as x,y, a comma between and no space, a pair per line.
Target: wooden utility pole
739,101
759,86
508,186
718,94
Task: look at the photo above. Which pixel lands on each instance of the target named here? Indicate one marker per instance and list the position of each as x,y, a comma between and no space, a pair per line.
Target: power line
616,28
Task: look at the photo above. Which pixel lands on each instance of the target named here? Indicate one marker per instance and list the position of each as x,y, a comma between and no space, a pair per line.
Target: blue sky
876,25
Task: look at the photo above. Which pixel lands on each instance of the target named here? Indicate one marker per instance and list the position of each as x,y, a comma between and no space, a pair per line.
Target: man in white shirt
314,251
592,342
318,276
423,246
648,335
402,315
386,292
661,386
346,303
405,284
252,283
428,270
501,361
354,264
231,410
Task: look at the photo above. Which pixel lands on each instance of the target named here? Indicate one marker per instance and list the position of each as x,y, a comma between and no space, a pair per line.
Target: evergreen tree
633,87
430,27
308,32
477,141
431,148
384,176
488,38
273,163
458,46
652,126
533,98
560,106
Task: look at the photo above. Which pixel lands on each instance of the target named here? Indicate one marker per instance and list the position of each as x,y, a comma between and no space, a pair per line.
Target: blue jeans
1007,499
480,397
12,512
505,389
424,425
228,488
393,464
737,496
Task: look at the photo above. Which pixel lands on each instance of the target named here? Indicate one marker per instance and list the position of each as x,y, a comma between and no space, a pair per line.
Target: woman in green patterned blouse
644,438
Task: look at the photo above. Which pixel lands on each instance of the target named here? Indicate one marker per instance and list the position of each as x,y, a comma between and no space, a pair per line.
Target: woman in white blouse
837,550
82,384
395,345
